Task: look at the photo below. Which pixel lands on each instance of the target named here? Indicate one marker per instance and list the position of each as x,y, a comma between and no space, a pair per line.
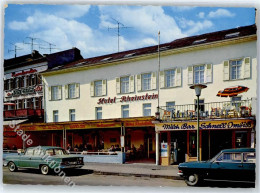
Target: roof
176,44
239,150
25,60
54,59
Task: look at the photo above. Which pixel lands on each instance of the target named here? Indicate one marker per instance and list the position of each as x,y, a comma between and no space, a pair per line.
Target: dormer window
199,41
232,35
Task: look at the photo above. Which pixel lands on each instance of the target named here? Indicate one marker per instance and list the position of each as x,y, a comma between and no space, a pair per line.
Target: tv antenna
32,42
15,49
51,46
119,26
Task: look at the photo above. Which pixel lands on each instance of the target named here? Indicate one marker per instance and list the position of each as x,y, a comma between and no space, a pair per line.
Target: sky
93,28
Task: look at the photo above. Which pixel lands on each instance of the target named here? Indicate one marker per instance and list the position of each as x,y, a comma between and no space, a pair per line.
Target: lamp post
198,88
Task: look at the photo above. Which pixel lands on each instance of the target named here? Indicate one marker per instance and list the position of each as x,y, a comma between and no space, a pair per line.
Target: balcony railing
23,113
214,110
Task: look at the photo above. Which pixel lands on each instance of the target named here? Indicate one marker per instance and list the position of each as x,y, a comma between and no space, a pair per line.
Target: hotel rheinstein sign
205,125
128,98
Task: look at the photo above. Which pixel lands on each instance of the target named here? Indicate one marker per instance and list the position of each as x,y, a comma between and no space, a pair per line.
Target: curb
138,175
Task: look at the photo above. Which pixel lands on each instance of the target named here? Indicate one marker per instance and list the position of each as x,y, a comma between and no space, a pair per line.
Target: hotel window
98,112
237,69
146,81
170,106
72,115
6,84
98,88
200,74
169,78
38,102
55,93
236,102
72,91
147,109
125,84
55,116
125,111
33,79
17,83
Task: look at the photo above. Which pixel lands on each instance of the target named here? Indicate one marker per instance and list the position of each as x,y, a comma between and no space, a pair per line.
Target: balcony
214,110
23,113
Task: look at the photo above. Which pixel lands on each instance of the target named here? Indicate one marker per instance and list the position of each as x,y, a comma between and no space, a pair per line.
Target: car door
37,158
25,160
248,169
227,167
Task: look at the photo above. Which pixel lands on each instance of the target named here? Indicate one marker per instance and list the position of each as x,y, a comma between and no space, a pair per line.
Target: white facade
212,56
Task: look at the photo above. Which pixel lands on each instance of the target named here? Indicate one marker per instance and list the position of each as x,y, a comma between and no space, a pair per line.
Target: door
227,166
25,160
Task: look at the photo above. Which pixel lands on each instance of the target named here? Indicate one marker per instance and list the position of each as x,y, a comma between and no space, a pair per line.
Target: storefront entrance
178,147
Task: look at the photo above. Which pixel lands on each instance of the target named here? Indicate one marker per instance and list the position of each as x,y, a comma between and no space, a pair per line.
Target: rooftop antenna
50,46
32,42
15,49
119,26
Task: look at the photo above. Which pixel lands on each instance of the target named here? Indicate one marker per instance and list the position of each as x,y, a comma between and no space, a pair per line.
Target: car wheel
45,169
12,167
192,180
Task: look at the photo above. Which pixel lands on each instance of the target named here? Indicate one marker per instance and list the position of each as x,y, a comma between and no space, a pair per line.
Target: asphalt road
82,177
85,177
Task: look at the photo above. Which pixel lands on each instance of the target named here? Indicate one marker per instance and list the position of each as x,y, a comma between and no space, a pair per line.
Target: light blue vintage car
45,158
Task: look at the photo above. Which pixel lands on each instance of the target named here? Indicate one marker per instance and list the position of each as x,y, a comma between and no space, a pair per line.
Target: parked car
44,158
228,165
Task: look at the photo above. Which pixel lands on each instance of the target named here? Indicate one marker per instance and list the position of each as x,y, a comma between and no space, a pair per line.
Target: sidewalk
135,169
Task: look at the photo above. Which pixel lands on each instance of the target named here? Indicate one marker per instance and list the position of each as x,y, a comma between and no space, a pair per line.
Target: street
83,177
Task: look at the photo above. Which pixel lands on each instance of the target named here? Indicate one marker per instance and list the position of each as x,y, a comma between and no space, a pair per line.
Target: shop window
55,116
241,139
38,102
72,114
192,144
125,111
21,104
98,112
147,109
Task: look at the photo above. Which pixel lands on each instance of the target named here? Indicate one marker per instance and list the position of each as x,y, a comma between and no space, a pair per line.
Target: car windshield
56,152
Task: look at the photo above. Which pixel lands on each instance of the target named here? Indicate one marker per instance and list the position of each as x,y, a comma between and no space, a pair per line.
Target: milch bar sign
234,124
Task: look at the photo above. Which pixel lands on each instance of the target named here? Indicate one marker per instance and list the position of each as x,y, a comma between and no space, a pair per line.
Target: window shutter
178,77
226,70
104,87
59,92
118,90
139,82
77,90
66,91
190,75
92,89
132,84
162,79
247,67
49,93
209,70
153,81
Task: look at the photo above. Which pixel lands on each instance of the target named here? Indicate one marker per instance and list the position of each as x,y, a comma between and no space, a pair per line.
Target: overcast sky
88,27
